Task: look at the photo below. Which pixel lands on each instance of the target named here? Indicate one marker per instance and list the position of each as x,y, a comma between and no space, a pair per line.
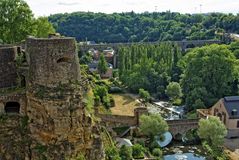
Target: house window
237,124
224,117
215,111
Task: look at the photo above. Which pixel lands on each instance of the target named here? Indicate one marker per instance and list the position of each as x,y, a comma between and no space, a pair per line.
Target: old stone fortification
8,74
45,117
122,120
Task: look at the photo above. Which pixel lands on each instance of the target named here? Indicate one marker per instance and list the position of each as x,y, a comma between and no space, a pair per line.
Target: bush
115,90
141,142
106,101
153,145
112,153
100,91
116,83
126,153
102,83
115,73
157,152
111,79
112,101
144,94
138,151
91,78
97,100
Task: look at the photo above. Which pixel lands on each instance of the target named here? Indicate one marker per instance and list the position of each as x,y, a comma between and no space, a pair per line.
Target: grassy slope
124,105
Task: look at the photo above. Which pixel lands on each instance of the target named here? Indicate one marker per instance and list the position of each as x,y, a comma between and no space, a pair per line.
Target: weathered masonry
41,100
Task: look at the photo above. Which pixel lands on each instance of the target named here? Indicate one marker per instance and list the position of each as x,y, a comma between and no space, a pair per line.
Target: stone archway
23,81
12,107
190,46
178,136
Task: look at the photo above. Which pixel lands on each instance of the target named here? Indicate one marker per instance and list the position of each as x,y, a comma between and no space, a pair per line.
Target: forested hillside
132,27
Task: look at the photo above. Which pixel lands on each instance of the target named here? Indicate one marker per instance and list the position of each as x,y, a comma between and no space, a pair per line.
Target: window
215,111
12,107
64,59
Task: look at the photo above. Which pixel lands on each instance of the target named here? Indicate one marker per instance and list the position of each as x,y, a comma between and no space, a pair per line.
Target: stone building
42,113
227,109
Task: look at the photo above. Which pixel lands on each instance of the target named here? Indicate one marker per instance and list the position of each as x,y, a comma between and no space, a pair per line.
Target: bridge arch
180,127
190,45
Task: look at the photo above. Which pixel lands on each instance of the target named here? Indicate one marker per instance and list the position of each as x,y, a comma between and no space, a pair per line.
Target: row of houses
109,57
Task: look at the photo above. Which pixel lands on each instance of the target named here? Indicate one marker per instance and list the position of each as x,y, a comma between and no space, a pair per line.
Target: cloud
68,4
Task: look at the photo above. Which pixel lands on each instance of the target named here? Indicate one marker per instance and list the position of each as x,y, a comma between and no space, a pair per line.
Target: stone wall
118,120
52,61
8,73
55,99
13,97
56,125
121,120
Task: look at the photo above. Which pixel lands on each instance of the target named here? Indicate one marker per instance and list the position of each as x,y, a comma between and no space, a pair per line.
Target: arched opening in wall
190,46
191,137
220,116
23,81
12,107
178,137
64,59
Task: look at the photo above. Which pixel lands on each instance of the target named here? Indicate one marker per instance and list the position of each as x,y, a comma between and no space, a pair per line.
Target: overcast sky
47,7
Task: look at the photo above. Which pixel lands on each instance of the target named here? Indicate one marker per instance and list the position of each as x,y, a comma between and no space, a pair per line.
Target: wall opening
178,137
190,46
63,59
23,81
12,107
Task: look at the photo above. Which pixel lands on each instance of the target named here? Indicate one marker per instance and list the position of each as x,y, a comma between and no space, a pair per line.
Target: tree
144,95
86,58
208,74
148,66
152,125
126,153
128,27
16,20
43,27
212,130
174,91
102,65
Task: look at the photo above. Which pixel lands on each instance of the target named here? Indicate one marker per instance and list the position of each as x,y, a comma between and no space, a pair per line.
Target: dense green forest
133,27
205,74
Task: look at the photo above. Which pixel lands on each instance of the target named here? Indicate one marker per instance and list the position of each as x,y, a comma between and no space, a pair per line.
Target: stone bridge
178,127
183,44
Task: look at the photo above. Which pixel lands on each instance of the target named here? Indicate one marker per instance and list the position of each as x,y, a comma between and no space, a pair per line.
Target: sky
47,7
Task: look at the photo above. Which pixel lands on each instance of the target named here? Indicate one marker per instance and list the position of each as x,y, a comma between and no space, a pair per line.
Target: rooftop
232,106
